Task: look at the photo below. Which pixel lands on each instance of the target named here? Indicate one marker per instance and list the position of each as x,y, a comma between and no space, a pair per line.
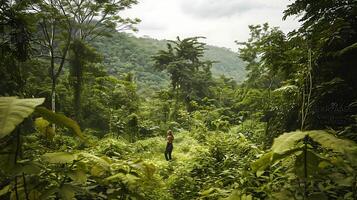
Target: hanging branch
305,106
304,111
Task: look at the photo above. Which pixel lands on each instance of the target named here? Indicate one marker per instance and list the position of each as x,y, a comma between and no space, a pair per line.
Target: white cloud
221,22
217,9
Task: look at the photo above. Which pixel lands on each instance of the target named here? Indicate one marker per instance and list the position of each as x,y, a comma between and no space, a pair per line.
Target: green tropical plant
311,153
16,171
290,143
13,111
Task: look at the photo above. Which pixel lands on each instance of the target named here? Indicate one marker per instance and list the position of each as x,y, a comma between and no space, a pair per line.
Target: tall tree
81,57
62,21
190,75
15,26
330,29
276,60
267,56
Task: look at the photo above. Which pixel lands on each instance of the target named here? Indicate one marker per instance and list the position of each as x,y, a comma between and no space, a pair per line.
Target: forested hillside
85,115
124,53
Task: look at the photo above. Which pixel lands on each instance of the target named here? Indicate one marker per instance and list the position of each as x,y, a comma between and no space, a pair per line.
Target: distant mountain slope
124,53
229,64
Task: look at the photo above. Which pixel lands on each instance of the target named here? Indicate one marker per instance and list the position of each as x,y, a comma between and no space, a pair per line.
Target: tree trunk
53,99
77,93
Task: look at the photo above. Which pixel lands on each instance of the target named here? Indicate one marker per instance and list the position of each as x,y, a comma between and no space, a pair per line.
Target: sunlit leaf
43,126
5,190
287,141
59,157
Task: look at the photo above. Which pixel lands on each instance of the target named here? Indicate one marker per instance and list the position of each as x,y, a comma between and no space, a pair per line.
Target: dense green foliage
287,131
124,53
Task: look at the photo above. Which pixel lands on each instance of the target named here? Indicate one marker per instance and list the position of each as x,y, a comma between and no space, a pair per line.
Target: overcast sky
220,21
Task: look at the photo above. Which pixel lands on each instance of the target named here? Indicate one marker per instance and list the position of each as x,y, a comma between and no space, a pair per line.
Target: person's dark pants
169,148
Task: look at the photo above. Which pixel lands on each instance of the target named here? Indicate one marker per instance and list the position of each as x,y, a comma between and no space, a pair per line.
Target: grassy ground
151,150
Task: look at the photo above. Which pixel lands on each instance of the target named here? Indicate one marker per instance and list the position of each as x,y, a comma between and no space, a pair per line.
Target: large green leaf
312,163
61,120
270,158
286,145
283,146
347,147
287,141
13,111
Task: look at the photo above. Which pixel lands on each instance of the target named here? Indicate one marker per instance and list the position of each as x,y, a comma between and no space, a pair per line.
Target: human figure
169,146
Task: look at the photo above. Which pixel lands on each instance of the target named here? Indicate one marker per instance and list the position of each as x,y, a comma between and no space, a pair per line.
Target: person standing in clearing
169,146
